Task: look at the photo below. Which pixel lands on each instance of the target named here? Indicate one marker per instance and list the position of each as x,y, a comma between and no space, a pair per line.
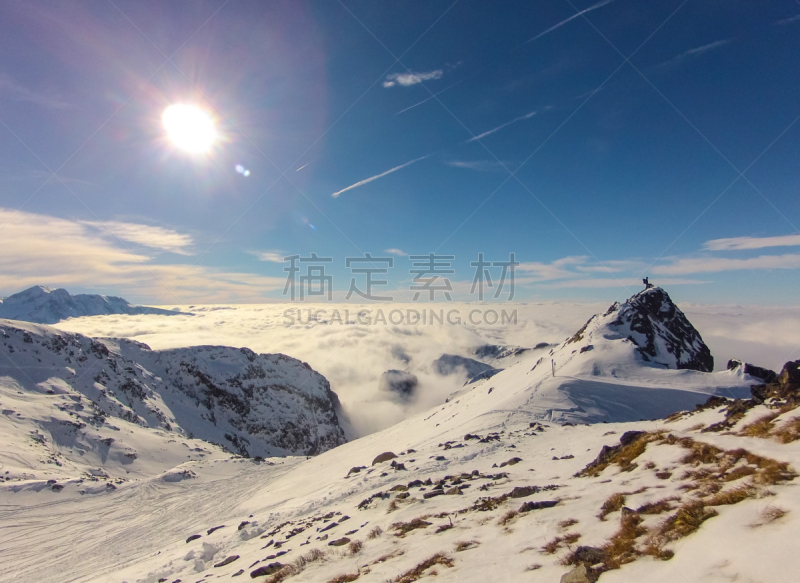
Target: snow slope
468,493
47,306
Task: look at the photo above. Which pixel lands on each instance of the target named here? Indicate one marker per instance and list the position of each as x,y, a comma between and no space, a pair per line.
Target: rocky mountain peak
659,330
662,331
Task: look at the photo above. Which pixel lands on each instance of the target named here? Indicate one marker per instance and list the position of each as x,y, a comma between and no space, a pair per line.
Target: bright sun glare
190,128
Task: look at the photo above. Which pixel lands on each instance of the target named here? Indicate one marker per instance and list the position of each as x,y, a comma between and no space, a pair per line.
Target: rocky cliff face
659,330
252,404
45,306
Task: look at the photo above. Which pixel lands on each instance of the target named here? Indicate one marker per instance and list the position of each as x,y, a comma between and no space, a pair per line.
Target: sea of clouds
353,345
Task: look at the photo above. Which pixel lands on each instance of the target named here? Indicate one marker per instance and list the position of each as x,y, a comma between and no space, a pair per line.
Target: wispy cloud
570,19
19,92
739,243
685,266
47,250
410,78
395,251
270,256
789,20
381,175
558,269
500,127
145,235
696,51
479,165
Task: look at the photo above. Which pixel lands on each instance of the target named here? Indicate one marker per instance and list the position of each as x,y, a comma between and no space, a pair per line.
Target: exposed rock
513,461
227,561
448,364
766,375
785,388
193,537
399,382
589,555
523,491
497,352
487,374
212,529
580,574
339,542
528,506
455,491
266,570
384,457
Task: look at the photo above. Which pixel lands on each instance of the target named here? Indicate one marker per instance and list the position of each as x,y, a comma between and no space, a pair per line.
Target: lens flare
189,128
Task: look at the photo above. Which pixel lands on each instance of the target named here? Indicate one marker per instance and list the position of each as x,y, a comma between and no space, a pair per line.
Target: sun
189,128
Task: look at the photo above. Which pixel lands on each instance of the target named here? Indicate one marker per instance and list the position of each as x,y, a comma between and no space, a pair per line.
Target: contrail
500,127
303,166
381,175
571,18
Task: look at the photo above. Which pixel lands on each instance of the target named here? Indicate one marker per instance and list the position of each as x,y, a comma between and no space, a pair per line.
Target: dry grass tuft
403,528
761,427
313,556
560,541
789,431
386,557
686,521
614,503
507,517
730,496
770,514
663,475
564,524
659,507
375,533
419,571
279,576
465,545
354,547
621,549
345,578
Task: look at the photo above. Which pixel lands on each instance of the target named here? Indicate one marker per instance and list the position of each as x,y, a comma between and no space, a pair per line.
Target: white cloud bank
42,249
739,243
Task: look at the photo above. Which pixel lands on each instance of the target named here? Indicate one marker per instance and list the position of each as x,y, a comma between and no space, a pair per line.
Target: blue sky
597,141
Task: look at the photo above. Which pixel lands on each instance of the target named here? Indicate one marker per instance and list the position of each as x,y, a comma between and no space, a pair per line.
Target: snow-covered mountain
503,479
48,306
69,400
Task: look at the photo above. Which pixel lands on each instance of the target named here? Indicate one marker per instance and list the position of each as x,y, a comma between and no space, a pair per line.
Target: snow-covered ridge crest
47,306
252,404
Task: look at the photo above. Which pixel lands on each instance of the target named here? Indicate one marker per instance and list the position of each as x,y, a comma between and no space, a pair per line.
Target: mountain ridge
42,305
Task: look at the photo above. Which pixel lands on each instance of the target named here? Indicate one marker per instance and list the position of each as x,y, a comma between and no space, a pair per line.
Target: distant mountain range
48,306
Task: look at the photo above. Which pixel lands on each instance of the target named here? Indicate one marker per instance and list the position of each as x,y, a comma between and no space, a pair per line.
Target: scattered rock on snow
384,457
580,574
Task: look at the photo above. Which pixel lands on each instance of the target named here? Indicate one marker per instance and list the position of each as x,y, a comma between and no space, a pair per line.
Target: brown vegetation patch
403,528
560,541
663,505
614,503
419,571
